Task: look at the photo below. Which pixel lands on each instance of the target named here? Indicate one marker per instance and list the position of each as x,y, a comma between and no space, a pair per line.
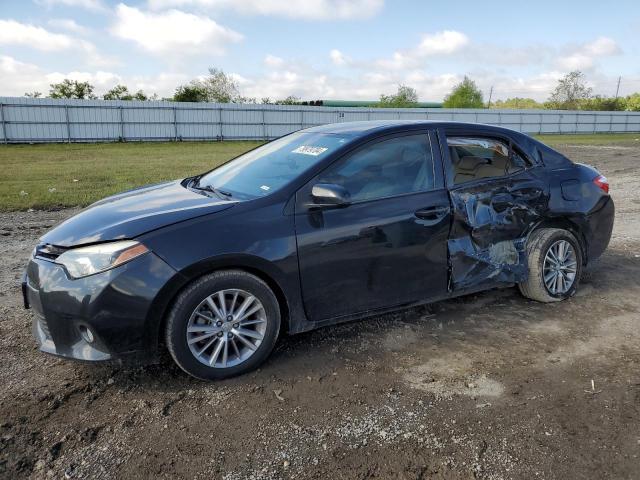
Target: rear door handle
432,213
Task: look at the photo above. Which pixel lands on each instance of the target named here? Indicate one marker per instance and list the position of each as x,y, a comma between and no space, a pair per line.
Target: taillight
602,182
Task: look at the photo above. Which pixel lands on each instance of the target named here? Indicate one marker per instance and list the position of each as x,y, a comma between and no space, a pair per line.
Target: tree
190,93
607,104
33,94
290,100
405,97
517,103
466,94
241,99
220,87
216,87
633,102
71,89
570,91
121,92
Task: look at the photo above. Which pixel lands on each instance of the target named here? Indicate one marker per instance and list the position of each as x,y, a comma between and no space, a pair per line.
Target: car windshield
269,167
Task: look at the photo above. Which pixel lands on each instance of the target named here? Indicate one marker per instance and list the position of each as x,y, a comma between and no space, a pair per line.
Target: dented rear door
491,216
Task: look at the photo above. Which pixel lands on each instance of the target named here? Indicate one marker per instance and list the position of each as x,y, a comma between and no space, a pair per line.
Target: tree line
84,91
570,93
216,87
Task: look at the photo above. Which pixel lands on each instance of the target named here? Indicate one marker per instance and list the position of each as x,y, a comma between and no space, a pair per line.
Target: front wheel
555,265
224,324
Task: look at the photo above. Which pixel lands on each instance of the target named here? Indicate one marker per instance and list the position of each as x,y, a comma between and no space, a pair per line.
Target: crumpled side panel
502,262
488,234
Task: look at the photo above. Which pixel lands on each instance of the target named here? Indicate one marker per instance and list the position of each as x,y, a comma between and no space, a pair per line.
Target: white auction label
305,150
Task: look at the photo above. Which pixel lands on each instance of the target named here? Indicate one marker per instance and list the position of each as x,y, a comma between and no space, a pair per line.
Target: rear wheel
222,325
555,265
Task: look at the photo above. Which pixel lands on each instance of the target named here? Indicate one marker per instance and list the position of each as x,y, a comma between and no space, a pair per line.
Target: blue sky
338,49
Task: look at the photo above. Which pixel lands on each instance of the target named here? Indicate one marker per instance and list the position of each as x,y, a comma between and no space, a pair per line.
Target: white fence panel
25,120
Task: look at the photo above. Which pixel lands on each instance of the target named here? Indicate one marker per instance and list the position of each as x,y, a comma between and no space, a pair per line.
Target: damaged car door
497,196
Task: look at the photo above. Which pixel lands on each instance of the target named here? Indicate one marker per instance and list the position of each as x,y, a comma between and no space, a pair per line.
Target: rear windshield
269,167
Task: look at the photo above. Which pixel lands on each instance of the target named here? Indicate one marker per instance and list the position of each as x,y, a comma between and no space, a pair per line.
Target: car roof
364,128
537,152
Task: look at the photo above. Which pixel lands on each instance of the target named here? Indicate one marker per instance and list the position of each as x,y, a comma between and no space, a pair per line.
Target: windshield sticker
265,187
305,150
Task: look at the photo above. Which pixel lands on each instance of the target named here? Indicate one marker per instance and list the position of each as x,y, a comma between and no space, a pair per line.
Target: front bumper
113,306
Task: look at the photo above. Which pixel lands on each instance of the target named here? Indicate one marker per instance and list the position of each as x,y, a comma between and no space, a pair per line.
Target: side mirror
327,195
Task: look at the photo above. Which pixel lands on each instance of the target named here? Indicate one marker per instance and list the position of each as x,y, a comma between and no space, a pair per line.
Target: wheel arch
569,224
164,301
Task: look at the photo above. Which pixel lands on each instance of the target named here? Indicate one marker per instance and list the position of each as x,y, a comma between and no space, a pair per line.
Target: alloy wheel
560,267
226,328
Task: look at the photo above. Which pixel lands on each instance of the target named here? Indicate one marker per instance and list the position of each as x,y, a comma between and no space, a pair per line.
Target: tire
193,323
538,246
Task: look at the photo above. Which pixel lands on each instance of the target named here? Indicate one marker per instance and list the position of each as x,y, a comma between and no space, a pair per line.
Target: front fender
288,294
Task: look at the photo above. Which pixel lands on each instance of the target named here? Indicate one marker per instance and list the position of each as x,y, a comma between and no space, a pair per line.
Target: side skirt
308,326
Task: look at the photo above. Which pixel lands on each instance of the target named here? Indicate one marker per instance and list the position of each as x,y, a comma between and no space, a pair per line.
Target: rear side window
474,158
384,169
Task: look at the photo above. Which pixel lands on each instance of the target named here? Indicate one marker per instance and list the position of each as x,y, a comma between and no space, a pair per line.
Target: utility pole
618,87
490,95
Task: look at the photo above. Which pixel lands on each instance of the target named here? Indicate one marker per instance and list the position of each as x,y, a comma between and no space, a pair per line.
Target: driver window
385,169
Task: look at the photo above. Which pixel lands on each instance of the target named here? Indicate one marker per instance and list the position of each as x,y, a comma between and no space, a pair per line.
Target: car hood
133,213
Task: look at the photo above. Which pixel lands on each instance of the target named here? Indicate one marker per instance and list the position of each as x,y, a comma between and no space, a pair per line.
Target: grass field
62,175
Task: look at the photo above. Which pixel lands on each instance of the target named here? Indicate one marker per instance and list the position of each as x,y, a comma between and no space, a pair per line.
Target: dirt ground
487,386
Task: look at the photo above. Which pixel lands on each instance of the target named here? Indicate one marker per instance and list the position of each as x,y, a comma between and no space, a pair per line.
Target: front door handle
432,213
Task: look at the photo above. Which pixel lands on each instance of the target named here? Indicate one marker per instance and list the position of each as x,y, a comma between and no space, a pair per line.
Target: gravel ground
486,386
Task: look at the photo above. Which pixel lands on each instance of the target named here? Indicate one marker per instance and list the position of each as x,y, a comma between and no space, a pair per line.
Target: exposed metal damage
489,229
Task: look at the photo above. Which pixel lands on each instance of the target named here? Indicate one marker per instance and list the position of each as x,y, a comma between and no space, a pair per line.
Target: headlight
84,261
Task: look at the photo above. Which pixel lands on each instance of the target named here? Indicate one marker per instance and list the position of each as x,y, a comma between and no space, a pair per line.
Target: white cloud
304,81
164,84
38,38
95,5
602,46
537,86
313,85
585,56
443,43
272,61
310,82
16,33
338,58
93,57
307,9
576,61
493,55
369,79
172,32
101,80
458,46
69,25
17,78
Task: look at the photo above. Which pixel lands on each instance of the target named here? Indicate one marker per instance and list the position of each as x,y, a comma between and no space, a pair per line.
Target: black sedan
321,226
